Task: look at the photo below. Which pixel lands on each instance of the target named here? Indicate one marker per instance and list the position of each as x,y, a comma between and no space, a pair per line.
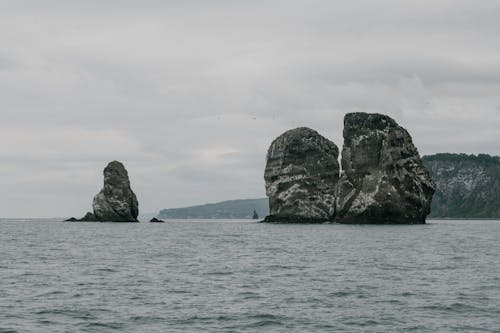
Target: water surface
241,276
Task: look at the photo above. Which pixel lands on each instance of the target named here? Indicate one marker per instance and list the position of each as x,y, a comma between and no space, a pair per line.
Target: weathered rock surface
467,186
89,217
301,174
116,202
383,178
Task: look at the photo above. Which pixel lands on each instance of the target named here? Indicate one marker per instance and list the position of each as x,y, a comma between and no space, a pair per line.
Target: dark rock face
383,178
155,220
89,217
301,175
116,202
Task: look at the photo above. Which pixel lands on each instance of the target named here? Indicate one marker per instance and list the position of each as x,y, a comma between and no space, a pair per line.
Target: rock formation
383,178
155,220
301,175
89,217
116,202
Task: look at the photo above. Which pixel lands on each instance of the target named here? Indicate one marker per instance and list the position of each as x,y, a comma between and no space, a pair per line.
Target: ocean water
241,276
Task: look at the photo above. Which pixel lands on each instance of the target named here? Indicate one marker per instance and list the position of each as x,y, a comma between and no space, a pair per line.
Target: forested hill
467,186
233,209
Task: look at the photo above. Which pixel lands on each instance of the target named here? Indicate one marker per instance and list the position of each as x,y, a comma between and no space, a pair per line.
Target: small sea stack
155,220
383,178
301,175
116,202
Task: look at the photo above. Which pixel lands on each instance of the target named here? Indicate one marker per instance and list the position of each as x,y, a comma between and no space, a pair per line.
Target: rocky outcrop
116,202
155,220
383,178
89,217
301,175
467,186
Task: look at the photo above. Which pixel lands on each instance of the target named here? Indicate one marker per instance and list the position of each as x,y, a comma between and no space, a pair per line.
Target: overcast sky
189,94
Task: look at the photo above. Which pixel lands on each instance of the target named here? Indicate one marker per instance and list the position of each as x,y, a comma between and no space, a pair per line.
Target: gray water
188,276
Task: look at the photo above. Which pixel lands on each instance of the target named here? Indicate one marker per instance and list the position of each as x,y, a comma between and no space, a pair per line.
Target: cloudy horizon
189,95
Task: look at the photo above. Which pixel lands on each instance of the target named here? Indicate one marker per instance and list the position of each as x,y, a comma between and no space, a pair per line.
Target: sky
189,94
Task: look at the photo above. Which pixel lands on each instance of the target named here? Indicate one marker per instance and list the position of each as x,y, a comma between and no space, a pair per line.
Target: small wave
340,294
264,320
51,293
265,323
106,270
101,325
196,318
219,273
369,322
179,291
406,294
458,258
392,301
76,314
249,295
454,307
146,319
285,267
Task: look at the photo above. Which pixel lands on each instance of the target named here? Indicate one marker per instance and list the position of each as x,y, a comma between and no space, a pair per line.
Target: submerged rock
301,174
155,220
383,178
116,202
71,219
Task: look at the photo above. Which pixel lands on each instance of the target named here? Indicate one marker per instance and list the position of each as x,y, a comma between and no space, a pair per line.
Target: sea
242,276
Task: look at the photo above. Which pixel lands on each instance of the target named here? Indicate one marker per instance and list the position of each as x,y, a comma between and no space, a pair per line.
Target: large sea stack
301,175
116,202
383,178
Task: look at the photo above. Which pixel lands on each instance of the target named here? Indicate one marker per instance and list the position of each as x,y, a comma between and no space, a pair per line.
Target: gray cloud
189,94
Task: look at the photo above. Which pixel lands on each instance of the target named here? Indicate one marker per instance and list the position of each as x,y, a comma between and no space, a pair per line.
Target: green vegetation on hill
467,186
233,209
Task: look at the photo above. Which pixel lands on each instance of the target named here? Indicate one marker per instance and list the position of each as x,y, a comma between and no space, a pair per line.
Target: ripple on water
247,277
